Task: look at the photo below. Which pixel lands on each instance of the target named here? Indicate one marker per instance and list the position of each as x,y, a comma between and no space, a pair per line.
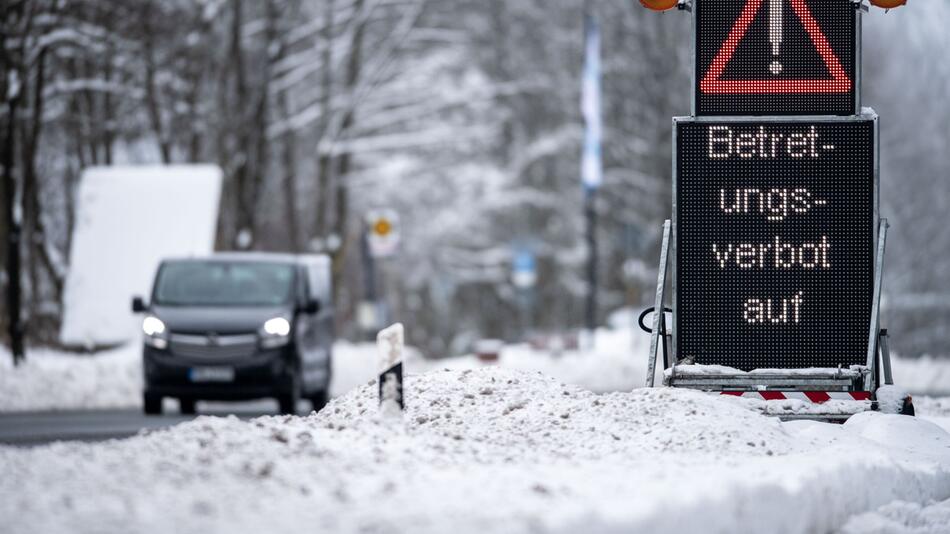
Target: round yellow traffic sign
382,227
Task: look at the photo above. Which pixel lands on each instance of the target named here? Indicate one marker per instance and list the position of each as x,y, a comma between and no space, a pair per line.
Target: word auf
781,255
775,203
761,311
723,142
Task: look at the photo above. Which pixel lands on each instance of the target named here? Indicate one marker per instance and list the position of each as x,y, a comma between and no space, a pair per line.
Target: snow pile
902,518
618,362
506,411
798,407
356,364
890,399
489,450
54,380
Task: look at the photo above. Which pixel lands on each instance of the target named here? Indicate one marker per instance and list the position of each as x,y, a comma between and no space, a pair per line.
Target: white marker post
390,345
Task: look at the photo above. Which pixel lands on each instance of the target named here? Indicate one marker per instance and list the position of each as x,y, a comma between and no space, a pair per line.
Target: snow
56,380
357,364
129,218
927,375
854,371
491,449
901,517
798,407
902,433
890,399
482,447
617,361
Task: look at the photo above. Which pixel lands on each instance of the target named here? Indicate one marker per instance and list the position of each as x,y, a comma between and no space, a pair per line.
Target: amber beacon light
888,4
663,5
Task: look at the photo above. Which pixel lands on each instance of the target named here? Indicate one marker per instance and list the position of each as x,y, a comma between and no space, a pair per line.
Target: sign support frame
659,316
874,335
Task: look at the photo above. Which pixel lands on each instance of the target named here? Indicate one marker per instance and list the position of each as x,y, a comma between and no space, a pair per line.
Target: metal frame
859,8
867,114
694,61
874,333
771,382
659,316
832,380
886,358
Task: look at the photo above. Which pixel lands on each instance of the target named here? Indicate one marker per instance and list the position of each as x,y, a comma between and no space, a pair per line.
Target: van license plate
211,374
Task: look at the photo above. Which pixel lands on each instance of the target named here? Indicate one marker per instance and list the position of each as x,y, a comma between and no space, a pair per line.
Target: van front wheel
152,404
186,406
288,400
319,400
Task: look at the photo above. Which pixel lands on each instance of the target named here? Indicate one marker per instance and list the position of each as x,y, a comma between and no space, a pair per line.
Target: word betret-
728,141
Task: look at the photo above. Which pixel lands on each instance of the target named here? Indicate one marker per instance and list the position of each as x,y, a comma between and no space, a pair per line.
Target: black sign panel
774,242
775,57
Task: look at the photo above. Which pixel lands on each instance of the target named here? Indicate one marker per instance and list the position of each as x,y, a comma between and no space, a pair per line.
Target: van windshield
216,283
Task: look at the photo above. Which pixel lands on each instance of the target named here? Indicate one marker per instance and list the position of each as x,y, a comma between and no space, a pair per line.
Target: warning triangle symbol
712,82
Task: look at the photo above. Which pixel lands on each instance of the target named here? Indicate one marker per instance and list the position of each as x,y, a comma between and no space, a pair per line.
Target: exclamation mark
775,33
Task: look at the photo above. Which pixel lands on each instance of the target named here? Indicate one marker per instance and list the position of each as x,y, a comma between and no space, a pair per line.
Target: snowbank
54,380
617,362
902,518
356,364
490,450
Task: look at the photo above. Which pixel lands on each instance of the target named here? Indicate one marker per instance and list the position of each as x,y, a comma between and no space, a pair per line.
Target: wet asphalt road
37,428
34,428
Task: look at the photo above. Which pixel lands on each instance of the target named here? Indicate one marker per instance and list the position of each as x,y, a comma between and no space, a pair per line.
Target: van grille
214,347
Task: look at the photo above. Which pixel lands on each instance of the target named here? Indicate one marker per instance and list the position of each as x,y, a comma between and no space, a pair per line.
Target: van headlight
275,333
155,333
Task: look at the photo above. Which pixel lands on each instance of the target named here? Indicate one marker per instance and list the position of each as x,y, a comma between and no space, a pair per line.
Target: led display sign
774,241
775,57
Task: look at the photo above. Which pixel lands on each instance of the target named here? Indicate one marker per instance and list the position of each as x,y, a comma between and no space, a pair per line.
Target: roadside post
777,245
390,343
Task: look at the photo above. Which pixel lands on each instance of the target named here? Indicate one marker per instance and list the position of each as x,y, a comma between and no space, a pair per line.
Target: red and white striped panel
817,397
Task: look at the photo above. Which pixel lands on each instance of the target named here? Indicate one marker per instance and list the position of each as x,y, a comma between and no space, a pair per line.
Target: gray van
238,326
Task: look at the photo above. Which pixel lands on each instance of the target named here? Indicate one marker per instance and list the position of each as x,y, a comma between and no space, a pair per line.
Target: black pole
369,281
369,270
13,226
590,219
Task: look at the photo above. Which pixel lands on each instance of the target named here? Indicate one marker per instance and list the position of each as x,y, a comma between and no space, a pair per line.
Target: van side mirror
138,305
311,307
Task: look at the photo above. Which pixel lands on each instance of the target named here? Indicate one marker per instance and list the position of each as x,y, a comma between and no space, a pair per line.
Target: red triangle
713,83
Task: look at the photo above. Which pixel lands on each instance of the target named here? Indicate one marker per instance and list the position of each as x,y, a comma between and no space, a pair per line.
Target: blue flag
591,165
